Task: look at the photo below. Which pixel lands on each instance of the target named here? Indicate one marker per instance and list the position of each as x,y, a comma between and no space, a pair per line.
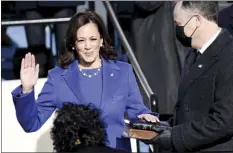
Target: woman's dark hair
69,53
76,126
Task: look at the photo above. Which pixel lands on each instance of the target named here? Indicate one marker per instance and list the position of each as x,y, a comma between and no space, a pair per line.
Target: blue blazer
120,94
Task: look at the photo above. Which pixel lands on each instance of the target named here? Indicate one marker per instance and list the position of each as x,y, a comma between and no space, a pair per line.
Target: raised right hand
29,73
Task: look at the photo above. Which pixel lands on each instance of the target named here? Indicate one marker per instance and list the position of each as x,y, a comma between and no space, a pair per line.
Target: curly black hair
76,126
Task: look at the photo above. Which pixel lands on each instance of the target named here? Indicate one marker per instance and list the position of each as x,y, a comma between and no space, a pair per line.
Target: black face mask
184,40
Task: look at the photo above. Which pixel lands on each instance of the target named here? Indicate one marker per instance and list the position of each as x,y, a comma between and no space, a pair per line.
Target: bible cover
142,134
145,130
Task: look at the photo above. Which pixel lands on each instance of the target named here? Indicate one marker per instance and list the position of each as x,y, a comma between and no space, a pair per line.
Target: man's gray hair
208,9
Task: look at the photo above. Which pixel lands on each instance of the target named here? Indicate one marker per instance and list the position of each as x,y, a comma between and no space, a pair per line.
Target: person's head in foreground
196,21
77,126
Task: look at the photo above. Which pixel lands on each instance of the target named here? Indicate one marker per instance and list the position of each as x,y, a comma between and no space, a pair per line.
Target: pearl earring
73,48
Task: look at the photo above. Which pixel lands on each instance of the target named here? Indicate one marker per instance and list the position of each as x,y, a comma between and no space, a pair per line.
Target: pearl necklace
90,75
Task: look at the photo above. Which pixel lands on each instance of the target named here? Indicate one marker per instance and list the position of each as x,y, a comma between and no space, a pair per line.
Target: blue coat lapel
71,77
110,80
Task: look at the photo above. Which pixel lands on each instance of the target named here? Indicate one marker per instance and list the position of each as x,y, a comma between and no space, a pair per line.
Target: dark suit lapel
202,65
71,77
111,74
207,59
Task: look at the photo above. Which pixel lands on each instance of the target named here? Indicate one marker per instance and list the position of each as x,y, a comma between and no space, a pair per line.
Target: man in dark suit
203,115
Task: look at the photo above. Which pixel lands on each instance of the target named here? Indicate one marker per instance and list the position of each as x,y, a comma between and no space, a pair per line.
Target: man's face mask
184,40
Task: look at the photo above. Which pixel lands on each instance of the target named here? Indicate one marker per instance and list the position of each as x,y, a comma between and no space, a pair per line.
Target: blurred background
147,26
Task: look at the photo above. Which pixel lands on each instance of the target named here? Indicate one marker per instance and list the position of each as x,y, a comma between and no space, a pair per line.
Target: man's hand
163,140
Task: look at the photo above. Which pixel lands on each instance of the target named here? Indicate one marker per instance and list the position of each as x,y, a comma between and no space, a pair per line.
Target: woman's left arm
135,105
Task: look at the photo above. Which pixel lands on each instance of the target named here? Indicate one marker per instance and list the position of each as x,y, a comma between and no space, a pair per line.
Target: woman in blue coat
87,73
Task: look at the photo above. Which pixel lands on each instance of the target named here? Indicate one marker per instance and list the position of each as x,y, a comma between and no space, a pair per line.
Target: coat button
186,109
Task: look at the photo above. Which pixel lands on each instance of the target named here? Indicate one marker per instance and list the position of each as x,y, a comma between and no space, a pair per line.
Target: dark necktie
191,59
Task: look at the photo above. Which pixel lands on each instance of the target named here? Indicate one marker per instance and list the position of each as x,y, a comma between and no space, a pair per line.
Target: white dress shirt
209,42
